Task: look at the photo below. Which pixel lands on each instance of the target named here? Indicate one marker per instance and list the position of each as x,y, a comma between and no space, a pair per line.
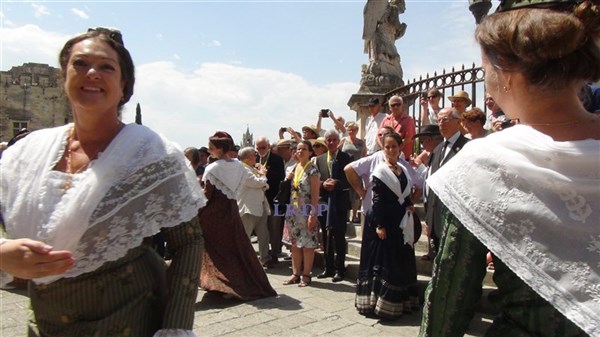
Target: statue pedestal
359,103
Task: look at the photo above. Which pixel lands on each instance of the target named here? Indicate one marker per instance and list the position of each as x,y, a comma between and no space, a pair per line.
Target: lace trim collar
527,197
226,175
128,194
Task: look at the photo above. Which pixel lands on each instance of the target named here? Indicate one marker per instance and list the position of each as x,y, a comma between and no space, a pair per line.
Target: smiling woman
95,190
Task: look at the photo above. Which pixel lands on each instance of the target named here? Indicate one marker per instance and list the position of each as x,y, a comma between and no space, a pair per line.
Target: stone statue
382,27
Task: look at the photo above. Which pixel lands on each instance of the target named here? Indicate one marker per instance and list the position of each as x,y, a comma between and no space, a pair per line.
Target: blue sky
203,66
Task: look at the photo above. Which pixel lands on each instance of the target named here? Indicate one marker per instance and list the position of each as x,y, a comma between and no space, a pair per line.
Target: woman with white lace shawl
531,193
387,276
229,263
90,193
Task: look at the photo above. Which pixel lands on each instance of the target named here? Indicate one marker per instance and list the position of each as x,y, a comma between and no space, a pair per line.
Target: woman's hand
27,259
424,103
381,233
312,223
362,193
290,175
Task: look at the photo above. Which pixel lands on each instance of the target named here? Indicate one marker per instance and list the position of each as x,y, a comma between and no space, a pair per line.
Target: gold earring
506,89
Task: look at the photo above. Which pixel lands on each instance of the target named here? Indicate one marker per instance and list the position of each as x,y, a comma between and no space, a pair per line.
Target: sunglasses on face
446,119
113,34
395,105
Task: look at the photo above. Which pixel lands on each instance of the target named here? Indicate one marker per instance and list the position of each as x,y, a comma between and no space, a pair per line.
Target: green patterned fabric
455,289
134,296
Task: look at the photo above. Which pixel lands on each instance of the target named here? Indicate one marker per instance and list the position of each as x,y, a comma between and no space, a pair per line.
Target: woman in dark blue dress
386,285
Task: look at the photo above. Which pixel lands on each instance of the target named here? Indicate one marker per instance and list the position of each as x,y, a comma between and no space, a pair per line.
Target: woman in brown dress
229,263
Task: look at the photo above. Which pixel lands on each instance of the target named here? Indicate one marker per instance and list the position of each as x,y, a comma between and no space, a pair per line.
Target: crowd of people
83,217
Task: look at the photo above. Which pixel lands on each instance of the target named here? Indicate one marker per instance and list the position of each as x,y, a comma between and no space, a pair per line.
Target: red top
405,126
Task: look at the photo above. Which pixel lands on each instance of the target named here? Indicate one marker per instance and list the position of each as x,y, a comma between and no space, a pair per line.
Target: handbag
283,195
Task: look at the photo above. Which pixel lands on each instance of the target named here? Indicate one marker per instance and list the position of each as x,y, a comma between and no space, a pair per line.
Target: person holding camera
338,122
430,106
496,117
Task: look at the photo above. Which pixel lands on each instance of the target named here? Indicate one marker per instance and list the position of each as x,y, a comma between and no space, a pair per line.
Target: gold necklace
69,170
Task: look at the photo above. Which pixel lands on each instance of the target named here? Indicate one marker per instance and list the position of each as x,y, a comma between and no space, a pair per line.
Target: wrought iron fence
467,79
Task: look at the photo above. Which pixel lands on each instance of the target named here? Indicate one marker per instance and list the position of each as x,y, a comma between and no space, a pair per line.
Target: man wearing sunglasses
402,123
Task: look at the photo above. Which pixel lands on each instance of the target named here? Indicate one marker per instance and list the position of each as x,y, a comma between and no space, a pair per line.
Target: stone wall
31,96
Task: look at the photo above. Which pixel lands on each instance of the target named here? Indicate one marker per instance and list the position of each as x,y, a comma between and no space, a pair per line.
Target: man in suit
449,123
273,164
334,192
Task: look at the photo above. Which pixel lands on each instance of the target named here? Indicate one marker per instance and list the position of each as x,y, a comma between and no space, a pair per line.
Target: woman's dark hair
393,135
434,92
551,47
222,140
114,39
474,115
309,146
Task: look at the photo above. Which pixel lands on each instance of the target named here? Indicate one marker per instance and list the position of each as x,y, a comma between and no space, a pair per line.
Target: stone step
423,267
423,277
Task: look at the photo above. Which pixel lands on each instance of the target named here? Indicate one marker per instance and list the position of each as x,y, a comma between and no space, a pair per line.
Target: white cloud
213,43
29,43
80,13
40,10
189,107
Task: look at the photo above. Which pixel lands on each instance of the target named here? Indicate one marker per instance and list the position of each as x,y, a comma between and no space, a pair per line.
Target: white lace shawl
226,175
535,203
139,184
384,173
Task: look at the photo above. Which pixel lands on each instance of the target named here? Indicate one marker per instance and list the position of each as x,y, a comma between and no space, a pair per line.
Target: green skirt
122,298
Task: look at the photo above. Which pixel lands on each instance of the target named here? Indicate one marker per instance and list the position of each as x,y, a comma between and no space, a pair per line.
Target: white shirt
371,129
365,166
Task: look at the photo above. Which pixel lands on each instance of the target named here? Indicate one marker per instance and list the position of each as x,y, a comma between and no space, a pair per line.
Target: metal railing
467,79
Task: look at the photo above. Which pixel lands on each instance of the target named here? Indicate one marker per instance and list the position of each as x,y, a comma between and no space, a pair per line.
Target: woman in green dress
529,194
94,192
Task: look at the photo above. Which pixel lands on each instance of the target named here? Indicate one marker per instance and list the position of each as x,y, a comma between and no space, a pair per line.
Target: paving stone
324,308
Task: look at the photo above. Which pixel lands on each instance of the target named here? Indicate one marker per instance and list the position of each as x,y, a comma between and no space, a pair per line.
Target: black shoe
269,264
338,277
325,274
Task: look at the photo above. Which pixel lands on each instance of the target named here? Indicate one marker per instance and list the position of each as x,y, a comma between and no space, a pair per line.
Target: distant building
32,97
247,138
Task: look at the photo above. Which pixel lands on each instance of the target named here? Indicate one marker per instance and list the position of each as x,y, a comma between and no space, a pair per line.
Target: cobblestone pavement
323,308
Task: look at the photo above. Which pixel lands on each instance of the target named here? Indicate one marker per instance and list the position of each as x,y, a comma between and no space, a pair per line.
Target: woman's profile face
391,148
93,76
214,151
